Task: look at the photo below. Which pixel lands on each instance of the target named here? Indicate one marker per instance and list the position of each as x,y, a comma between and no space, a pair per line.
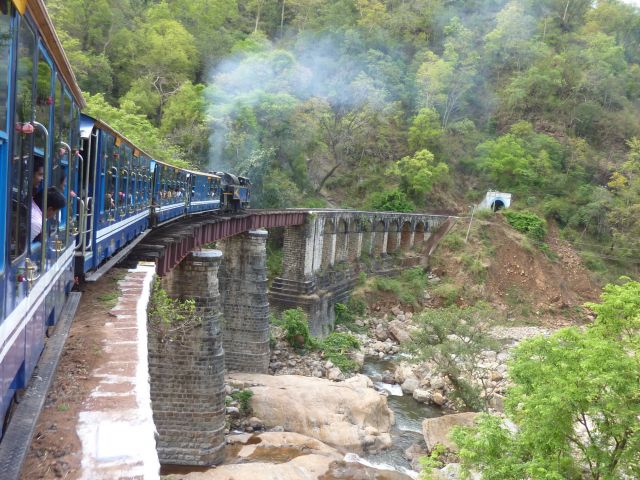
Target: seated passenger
38,175
55,203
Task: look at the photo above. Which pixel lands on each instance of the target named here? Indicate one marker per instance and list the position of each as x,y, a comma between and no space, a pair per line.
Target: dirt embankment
525,279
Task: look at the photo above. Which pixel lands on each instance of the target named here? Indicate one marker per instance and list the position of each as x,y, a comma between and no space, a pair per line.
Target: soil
55,449
519,278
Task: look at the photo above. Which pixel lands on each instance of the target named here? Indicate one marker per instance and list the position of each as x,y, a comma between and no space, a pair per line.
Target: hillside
505,268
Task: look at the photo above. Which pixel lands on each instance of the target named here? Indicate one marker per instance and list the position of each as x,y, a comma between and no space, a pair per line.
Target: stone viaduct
220,263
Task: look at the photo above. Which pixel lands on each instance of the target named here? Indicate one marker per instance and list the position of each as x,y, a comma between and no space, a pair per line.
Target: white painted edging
122,444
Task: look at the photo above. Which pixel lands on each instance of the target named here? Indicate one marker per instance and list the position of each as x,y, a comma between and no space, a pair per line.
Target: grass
63,407
109,299
408,287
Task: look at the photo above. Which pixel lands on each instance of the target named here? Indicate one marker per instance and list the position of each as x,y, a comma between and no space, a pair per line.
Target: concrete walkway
115,425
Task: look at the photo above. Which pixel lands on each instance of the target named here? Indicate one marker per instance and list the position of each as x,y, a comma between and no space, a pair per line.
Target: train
77,192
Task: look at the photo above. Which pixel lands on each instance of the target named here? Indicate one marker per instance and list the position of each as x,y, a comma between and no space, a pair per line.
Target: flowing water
409,415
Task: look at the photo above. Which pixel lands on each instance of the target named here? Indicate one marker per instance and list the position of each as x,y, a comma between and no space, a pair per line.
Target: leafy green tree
574,400
425,131
184,124
453,338
419,173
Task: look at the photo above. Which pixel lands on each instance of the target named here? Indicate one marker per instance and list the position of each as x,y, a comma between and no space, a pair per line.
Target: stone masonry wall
245,301
187,373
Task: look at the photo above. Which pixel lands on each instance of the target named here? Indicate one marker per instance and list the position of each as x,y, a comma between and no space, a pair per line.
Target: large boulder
399,331
437,430
349,415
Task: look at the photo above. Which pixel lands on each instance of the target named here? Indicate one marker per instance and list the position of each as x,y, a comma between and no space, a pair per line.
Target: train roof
87,123
38,12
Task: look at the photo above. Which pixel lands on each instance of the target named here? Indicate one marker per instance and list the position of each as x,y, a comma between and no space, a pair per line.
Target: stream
408,413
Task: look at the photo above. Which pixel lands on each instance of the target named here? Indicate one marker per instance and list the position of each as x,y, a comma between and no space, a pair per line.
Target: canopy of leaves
575,403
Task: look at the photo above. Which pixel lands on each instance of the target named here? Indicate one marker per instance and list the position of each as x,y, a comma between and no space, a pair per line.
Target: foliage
296,328
172,318
346,315
275,256
419,173
432,462
391,200
243,397
337,347
586,425
319,101
453,338
528,223
408,287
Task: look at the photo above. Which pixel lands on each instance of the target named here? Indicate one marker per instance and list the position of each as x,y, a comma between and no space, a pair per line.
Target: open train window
21,156
5,43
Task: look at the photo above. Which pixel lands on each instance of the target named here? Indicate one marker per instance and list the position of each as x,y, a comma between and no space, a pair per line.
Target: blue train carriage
39,115
171,189
204,191
236,192
115,196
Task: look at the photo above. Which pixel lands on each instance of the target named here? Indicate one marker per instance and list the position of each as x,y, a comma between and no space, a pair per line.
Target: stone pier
245,300
187,369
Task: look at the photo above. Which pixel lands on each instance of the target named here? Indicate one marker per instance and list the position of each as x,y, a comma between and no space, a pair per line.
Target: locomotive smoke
315,69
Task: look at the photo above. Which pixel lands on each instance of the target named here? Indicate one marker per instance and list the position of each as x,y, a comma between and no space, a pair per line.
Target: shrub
391,201
337,346
170,316
528,223
453,338
448,292
453,241
296,328
243,397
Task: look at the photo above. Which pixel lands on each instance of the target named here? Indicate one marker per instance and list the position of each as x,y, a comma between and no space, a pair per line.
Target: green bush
243,397
453,241
296,328
593,262
407,287
171,315
454,338
528,223
448,292
391,201
337,347
274,261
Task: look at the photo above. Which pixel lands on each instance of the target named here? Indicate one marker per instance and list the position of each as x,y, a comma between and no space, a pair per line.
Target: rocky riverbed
311,420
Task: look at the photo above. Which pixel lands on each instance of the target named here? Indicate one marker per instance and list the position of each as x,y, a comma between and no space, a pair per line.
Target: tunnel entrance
497,205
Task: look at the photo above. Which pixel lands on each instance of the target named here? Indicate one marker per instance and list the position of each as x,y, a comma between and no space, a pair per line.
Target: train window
5,43
44,100
111,172
21,194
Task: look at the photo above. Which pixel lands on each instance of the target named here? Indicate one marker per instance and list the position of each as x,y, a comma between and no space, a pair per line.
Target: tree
445,80
425,131
575,401
419,172
453,338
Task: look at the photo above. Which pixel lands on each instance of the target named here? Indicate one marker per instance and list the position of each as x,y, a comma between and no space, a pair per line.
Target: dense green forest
397,104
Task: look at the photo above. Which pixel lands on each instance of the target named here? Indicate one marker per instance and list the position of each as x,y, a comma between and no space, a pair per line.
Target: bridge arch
405,236
365,248
342,236
392,238
354,240
378,238
328,243
418,236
